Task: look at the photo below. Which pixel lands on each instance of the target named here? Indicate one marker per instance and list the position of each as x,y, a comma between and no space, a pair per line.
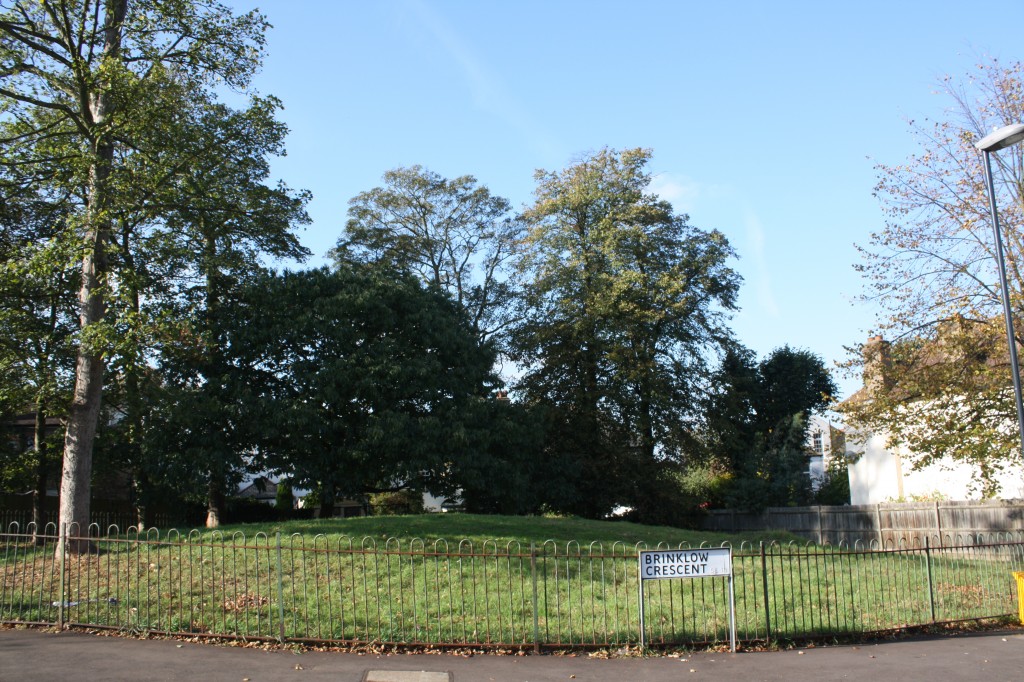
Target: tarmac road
27,654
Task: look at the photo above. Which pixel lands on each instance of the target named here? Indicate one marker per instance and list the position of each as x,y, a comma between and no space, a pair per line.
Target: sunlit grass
480,580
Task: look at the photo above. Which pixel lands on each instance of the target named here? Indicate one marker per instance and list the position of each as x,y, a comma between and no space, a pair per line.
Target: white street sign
685,563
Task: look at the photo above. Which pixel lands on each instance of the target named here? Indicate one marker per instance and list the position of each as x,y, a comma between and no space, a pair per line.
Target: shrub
397,502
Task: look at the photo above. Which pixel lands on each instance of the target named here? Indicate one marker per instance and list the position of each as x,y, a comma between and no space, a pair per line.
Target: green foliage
775,473
93,92
623,304
452,234
394,503
357,380
834,487
757,424
284,499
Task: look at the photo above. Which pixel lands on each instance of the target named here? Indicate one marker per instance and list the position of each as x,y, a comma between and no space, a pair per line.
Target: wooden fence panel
892,524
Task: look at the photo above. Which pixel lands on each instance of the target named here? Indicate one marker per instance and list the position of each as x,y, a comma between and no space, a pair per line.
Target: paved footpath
43,655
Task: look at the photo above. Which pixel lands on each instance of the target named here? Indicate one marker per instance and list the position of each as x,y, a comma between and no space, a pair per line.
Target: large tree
209,220
355,381
624,304
932,269
79,79
452,233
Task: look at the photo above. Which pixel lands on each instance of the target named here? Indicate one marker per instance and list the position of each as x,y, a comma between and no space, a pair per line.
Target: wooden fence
880,524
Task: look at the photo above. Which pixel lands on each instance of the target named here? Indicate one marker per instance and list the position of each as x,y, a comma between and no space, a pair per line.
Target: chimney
877,363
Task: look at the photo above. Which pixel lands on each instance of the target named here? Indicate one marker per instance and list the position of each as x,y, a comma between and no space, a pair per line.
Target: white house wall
878,476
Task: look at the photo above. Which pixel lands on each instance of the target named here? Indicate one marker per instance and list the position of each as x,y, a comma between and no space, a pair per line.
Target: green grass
504,529
473,580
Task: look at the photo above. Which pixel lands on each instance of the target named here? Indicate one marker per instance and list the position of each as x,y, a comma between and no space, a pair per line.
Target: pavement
32,654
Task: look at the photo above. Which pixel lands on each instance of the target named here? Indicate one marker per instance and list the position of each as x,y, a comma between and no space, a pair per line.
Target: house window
816,443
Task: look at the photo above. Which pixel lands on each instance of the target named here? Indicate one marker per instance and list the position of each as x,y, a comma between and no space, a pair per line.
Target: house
881,472
824,439
261,489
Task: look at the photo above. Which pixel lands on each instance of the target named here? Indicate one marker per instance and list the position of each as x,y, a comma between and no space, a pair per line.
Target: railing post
62,543
280,592
928,564
536,604
764,586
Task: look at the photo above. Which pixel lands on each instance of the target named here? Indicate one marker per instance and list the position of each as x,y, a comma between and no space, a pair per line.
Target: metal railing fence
554,595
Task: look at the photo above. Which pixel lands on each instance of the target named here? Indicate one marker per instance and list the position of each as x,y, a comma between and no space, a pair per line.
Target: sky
766,119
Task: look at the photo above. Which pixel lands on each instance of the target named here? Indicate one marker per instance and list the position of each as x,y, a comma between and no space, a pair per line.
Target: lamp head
1002,138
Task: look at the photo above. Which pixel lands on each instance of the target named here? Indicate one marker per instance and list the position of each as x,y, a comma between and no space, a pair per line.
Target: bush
285,498
397,502
835,485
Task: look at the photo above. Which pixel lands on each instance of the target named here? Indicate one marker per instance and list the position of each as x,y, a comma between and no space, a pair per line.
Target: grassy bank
504,529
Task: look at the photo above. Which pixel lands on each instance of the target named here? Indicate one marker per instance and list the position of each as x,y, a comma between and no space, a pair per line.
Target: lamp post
1001,139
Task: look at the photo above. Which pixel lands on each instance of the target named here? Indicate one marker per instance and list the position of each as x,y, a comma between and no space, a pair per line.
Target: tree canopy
93,92
452,233
624,303
356,380
757,424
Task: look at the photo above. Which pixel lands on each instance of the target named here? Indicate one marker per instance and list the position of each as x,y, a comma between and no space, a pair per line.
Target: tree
218,220
36,330
356,381
932,267
757,423
623,304
77,78
453,234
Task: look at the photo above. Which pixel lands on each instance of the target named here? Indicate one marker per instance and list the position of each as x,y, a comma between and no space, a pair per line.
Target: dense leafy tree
218,222
79,79
757,423
453,234
356,381
624,303
932,267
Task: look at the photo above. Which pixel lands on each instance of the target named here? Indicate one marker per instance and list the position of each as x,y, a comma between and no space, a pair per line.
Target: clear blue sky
766,119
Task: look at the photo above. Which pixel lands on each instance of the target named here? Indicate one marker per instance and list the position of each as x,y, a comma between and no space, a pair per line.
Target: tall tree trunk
141,487
212,374
84,414
214,500
42,470
327,495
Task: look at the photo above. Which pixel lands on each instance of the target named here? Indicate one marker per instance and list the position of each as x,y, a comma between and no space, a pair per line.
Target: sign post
672,564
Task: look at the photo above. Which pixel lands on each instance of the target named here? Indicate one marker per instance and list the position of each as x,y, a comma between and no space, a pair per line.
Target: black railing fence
493,595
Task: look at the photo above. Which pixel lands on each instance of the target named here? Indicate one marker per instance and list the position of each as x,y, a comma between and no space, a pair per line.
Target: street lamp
1001,139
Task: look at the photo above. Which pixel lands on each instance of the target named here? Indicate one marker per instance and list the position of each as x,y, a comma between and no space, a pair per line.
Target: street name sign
685,563
673,564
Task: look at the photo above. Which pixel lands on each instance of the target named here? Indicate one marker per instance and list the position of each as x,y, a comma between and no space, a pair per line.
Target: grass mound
504,529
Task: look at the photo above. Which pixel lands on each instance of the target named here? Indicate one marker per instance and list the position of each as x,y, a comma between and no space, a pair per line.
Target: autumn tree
932,269
624,303
78,79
